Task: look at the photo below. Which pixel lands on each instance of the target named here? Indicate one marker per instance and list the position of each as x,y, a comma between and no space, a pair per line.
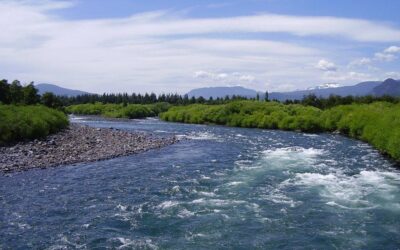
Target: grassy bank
29,122
130,111
376,123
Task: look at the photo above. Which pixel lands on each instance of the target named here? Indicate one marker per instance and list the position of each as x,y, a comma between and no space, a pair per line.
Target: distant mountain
388,87
57,90
361,89
222,92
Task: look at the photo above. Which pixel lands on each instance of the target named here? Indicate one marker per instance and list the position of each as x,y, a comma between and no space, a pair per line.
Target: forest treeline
377,123
176,99
17,94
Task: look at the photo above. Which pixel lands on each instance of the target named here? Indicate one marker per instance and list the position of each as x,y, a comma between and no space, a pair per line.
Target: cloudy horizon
154,48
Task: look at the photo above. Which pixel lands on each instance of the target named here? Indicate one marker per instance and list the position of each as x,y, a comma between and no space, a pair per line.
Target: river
219,187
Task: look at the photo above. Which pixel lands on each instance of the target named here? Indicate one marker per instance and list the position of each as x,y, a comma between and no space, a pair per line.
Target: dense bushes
377,123
119,110
29,122
251,114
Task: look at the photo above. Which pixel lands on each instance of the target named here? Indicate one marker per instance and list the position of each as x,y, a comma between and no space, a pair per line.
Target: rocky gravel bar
77,144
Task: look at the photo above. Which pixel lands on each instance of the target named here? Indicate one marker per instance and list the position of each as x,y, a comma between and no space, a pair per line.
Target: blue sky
174,46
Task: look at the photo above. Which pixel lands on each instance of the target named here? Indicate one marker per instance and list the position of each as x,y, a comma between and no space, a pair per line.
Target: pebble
77,144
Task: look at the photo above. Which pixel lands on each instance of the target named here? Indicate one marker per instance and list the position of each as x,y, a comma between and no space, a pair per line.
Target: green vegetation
15,93
29,122
377,123
130,111
22,118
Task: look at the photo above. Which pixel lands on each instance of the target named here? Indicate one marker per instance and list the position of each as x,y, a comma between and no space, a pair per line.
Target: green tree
30,94
16,94
50,100
266,96
4,92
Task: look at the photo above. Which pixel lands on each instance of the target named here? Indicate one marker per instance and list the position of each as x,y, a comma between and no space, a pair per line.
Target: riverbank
76,144
377,123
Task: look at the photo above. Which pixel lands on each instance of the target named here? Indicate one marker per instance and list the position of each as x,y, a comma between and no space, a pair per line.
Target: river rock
77,144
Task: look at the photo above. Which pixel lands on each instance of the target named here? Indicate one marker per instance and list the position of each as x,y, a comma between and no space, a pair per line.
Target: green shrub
29,122
377,123
130,111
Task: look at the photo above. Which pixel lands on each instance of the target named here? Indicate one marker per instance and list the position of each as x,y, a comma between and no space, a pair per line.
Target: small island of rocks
77,144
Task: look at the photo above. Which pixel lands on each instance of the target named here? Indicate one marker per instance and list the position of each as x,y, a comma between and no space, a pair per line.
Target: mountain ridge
387,87
57,90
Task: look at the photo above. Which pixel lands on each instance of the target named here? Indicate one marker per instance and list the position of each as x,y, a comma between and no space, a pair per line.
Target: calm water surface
222,188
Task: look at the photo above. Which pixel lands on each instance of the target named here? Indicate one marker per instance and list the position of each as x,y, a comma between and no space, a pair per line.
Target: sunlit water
221,188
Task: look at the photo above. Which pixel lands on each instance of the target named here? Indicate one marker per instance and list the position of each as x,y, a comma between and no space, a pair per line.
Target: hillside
388,87
360,89
57,90
222,92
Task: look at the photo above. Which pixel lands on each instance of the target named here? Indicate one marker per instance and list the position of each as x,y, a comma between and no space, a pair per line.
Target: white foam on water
184,213
310,135
208,194
235,183
365,190
278,197
291,152
64,243
175,189
122,208
202,136
217,202
134,244
168,204
160,131
291,156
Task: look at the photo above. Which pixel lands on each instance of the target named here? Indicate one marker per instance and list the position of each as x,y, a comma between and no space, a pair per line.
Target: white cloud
347,76
395,75
360,62
384,57
325,65
158,51
225,78
392,50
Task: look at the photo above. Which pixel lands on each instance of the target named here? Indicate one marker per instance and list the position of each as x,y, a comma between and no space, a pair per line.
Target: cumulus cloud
361,62
393,74
384,57
392,50
325,65
230,78
347,76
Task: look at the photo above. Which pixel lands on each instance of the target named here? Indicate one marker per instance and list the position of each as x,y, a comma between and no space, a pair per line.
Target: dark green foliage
50,100
119,110
30,95
377,123
29,122
16,94
4,92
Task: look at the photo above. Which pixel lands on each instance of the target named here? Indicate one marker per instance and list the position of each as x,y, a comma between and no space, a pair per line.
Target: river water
218,188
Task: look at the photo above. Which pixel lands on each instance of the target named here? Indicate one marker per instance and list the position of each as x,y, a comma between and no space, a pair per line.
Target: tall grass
130,111
377,123
29,122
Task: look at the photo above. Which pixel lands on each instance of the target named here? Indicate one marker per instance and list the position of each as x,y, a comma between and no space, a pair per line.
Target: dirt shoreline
77,144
